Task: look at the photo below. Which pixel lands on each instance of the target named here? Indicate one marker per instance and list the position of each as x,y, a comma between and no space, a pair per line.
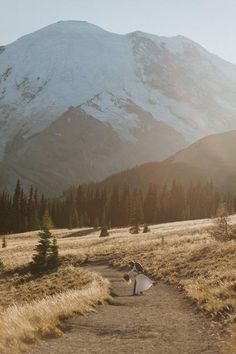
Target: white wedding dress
141,281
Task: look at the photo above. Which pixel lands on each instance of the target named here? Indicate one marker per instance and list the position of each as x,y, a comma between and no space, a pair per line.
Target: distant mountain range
210,159
78,103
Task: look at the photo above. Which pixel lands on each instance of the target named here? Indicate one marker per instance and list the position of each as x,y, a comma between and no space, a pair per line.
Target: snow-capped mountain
143,88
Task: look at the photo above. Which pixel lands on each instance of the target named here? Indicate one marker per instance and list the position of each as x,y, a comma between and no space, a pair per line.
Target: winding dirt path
161,322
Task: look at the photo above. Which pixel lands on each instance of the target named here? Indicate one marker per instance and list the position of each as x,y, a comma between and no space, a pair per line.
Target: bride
141,281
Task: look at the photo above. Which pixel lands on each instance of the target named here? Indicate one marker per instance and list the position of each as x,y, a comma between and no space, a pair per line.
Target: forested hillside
93,206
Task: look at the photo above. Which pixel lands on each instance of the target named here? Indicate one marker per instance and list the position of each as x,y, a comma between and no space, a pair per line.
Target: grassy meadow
180,253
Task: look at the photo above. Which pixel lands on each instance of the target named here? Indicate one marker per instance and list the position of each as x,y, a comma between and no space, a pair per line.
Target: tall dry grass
22,324
20,286
190,258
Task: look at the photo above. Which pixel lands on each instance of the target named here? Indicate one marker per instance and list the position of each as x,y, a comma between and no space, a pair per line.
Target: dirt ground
161,322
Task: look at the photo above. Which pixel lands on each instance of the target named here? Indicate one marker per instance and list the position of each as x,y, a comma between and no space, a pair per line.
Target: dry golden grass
191,258
33,306
20,287
22,324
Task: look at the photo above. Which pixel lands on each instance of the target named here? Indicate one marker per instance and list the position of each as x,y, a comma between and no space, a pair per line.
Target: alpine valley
78,103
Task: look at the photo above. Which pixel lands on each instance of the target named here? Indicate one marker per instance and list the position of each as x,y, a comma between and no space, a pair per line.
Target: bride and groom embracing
136,275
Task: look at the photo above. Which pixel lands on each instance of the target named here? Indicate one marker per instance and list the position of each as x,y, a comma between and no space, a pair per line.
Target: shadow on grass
81,233
25,273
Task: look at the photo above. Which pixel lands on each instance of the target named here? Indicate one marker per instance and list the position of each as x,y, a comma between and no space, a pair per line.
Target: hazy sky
211,23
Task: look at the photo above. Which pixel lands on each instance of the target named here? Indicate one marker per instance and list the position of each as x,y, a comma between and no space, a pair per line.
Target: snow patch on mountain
74,63
115,111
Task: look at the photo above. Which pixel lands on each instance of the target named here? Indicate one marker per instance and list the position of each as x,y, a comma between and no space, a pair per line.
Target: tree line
94,206
22,211
127,206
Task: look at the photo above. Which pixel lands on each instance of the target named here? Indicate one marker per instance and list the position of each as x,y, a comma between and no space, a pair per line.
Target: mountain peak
70,27
132,83
61,28
73,25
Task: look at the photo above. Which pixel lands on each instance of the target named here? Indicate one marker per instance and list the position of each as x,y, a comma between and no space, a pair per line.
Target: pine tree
75,219
1,265
35,221
40,258
16,217
145,229
4,243
114,207
96,223
23,212
136,215
30,209
125,207
104,232
42,208
150,205
223,231
134,229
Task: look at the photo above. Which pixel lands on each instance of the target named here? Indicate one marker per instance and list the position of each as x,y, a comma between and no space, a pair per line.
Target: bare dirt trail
161,322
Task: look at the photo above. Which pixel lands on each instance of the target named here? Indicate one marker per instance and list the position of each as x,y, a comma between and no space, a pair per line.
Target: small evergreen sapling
145,229
1,265
104,231
222,230
134,229
39,260
4,242
46,256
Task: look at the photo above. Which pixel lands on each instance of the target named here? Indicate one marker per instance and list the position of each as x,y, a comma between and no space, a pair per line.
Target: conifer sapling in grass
104,231
145,229
134,229
4,243
222,230
40,258
1,265
46,256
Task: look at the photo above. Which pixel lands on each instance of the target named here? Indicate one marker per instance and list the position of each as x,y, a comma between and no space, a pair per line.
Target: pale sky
211,23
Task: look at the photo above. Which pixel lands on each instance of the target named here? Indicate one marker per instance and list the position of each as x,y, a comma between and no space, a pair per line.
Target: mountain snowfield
145,89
